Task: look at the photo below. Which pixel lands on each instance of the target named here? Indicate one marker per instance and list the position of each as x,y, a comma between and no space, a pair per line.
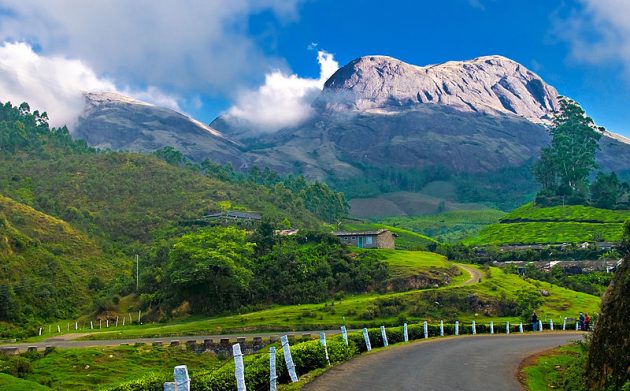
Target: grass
92,368
406,240
8,382
569,213
549,370
547,233
447,227
375,309
405,264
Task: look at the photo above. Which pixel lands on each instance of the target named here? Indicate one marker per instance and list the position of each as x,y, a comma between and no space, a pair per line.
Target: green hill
46,266
532,224
447,227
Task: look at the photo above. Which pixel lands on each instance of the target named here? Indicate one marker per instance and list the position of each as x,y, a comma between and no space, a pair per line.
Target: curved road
474,363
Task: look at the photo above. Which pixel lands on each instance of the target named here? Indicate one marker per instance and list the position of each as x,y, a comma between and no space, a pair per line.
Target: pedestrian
587,322
581,321
534,321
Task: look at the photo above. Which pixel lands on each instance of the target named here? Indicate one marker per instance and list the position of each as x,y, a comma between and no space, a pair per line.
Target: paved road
474,363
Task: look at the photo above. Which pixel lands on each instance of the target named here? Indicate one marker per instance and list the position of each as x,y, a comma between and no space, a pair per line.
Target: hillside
532,224
448,227
47,266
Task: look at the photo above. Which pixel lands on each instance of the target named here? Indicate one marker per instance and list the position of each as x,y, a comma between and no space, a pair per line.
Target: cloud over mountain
284,99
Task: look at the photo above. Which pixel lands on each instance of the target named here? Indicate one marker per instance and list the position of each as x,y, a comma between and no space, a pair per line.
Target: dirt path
475,274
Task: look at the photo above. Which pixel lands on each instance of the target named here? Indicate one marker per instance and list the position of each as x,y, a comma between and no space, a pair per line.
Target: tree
605,190
564,166
210,268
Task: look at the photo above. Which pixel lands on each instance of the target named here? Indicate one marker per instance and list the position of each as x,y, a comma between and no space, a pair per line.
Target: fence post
40,331
322,340
288,359
182,381
520,328
577,325
491,328
384,337
474,328
457,327
76,326
58,329
564,324
239,370
344,334
91,325
273,375
507,328
540,325
441,328
366,337
106,323
551,324
405,332
426,330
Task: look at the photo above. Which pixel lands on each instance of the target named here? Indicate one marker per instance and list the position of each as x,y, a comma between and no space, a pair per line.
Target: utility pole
137,273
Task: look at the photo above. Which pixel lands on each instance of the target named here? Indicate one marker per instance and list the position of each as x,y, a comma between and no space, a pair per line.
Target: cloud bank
56,84
598,32
181,46
284,99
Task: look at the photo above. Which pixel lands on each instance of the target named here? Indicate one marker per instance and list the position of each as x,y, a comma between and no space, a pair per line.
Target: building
382,238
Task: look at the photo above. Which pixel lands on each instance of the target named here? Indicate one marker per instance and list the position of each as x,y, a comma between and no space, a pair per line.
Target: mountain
380,125
114,121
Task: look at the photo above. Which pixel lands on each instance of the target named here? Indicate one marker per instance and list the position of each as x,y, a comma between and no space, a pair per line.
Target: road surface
474,363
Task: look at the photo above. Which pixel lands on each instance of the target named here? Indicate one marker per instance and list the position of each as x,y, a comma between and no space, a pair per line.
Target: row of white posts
182,380
100,324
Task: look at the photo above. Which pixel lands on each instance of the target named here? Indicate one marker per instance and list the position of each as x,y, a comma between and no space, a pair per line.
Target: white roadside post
116,321
91,325
40,331
405,332
551,324
577,325
457,327
520,328
366,337
384,336
540,325
344,334
507,328
100,323
239,369
124,317
76,326
426,330
273,375
170,386
182,380
288,359
564,324
441,328
58,329
491,328
322,340
474,328
139,312
106,323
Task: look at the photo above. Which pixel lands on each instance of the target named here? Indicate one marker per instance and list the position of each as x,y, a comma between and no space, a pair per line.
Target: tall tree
605,190
564,166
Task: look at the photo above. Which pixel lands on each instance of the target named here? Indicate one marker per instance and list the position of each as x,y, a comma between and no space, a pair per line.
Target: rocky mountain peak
486,84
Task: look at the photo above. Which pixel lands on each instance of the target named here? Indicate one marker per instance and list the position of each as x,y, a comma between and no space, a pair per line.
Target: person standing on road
534,321
581,321
587,322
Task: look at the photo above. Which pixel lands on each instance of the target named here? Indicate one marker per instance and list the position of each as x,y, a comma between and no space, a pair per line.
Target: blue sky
209,57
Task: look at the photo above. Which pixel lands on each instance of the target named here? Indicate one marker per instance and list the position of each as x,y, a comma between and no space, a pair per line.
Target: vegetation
533,224
405,240
559,369
448,227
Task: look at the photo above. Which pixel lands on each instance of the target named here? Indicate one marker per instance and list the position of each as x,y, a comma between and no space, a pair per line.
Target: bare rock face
117,122
491,84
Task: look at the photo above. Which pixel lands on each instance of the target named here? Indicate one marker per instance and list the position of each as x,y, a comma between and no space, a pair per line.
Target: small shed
382,238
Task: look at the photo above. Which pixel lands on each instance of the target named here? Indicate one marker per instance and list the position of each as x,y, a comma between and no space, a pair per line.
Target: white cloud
56,84
284,99
598,32
186,46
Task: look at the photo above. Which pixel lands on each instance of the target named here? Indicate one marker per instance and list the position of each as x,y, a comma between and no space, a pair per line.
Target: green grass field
92,368
448,227
531,224
8,382
375,309
549,370
571,213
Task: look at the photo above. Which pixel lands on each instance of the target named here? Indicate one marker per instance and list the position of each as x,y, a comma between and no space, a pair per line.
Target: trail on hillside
475,275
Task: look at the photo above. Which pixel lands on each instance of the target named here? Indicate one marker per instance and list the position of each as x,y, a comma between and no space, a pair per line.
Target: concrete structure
381,238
